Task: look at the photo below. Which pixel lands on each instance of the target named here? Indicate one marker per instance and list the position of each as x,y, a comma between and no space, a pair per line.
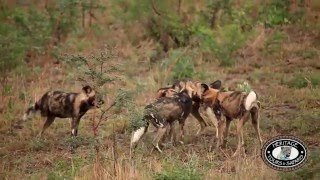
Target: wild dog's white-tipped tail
251,98
31,109
136,135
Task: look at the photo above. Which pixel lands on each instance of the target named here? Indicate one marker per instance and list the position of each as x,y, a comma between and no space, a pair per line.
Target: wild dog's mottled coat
233,105
64,105
161,114
194,89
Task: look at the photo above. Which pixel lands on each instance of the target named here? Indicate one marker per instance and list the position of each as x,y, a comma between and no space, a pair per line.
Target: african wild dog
232,105
65,105
162,113
195,90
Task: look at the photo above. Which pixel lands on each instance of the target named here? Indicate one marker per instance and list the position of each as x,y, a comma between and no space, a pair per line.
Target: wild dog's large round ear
87,89
216,84
176,87
161,92
204,87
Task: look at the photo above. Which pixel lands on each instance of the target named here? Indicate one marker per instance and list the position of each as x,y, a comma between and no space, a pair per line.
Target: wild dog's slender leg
242,141
182,131
161,131
48,122
226,132
221,127
196,114
240,125
218,122
74,125
215,118
171,134
255,122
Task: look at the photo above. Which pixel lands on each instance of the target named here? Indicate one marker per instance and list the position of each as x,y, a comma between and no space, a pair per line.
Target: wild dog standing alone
163,112
64,105
233,105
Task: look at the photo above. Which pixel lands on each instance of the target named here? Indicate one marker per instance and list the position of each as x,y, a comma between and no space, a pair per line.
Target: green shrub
29,30
124,99
275,13
183,69
178,65
12,49
221,43
298,82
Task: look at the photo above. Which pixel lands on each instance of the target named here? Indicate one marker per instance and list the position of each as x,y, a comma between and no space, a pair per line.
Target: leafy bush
178,65
125,100
275,13
97,69
183,69
12,49
301,81
231,40
298,82
28,31
224,41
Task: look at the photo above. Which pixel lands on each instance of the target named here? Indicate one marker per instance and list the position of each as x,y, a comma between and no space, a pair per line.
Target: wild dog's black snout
91,101
98,102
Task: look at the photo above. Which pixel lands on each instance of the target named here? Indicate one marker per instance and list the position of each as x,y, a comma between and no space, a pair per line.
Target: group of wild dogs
173,103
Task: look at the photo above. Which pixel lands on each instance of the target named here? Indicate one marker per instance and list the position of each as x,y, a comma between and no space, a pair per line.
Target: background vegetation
271,46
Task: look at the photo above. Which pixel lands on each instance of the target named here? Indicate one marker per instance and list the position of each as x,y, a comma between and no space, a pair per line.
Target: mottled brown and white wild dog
233,105
195,90
162,113
65,105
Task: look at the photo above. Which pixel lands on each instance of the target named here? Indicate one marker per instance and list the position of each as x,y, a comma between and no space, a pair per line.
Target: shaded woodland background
129,49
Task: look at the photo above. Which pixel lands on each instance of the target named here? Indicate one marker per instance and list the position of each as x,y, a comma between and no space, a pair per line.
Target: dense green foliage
27,31
220,29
